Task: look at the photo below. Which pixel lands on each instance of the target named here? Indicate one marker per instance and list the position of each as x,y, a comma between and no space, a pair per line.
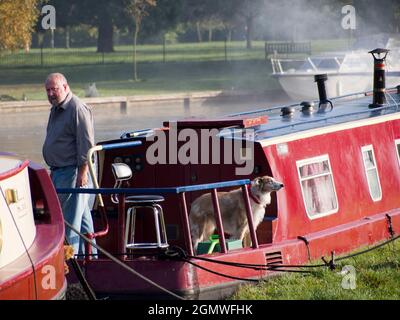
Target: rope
390,226
304,239
23,243
277,267
82,279
218,273
256,266
123,265
178,253
369,249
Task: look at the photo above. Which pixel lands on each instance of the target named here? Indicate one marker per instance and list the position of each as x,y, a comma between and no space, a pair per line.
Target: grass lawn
377,277
187,67
156,78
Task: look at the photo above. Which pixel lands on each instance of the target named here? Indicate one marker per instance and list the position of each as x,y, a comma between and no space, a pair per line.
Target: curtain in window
319,192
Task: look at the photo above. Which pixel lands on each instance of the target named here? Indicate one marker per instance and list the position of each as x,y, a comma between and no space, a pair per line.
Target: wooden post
218,221
186,228
164,49
186,102
249,213
124,106
121,226
41,55
226,50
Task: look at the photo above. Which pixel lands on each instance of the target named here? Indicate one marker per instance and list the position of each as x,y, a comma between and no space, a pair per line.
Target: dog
233,210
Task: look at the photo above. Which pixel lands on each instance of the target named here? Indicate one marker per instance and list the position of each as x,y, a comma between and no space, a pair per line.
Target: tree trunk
229,35
210,33
67,37
117,37
249,32
52,38
105,37
135,36
199,39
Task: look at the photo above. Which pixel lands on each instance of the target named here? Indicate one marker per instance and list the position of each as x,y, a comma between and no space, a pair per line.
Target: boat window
317,186
328,64
371,172
397,143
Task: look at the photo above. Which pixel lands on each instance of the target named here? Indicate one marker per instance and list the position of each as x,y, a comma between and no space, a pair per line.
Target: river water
23,133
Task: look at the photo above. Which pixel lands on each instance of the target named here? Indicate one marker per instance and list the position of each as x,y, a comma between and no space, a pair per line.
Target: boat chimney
379,98
323,98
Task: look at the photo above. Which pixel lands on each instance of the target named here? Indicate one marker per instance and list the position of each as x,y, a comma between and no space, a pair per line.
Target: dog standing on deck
233,210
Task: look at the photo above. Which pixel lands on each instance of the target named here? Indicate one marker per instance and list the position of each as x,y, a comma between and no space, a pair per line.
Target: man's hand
82,178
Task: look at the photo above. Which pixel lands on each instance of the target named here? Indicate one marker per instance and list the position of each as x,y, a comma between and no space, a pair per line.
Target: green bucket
212,245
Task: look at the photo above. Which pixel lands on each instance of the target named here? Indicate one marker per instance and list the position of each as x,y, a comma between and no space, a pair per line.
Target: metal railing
214,51
287,48
181,192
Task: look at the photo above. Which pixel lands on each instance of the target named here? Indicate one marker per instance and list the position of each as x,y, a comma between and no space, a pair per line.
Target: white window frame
317,159
396,144
371,148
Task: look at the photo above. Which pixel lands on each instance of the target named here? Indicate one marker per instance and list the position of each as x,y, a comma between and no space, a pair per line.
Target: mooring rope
123,265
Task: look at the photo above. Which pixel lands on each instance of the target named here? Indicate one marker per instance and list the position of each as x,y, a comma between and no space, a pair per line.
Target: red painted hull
358,220
194,283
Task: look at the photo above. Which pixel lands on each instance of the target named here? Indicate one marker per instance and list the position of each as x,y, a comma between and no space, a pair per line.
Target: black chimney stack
379,98
323,98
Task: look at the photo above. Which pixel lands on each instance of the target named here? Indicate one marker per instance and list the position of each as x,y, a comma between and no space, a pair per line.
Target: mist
297,20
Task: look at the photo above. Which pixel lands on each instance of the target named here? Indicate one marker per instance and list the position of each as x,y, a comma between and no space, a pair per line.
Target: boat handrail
181,190
136,133
312,64
101,147
164,190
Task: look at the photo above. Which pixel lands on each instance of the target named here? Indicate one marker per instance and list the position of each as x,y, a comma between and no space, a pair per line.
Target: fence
207,51
287,48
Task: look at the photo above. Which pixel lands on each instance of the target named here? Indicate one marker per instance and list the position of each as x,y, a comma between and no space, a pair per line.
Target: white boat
348,72
31,233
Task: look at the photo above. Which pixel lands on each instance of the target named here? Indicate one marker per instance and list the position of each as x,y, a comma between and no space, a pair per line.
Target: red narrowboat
31,233
339,161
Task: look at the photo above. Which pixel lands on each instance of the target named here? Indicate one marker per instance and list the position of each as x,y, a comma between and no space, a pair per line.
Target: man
69,136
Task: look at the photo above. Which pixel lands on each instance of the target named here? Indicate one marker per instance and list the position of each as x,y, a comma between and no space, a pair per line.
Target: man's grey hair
58,77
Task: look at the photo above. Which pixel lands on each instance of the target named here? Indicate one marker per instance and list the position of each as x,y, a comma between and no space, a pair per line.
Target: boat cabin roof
9,162
345,109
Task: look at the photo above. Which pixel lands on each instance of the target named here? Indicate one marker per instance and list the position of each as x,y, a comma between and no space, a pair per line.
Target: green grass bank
377,277
171,69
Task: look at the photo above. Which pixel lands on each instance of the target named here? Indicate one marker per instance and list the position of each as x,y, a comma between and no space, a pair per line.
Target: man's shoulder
78,104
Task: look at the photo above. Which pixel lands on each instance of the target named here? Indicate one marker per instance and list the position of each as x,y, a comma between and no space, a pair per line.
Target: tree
162,18
138,9
196,13
248,10
18,19
228,13
103,14
67,15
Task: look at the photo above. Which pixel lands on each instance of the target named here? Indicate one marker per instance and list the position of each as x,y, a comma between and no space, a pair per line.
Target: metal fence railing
207,51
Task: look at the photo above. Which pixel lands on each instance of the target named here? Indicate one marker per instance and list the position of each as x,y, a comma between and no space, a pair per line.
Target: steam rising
321,19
